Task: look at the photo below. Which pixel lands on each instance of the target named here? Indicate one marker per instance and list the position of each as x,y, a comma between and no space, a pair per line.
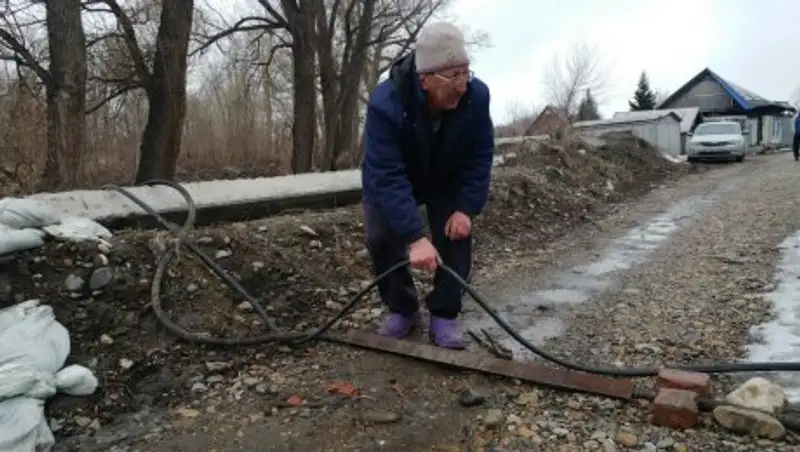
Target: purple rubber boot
446,333
399,326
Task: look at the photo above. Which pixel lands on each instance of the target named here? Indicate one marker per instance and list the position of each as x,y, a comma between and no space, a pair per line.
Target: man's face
446,87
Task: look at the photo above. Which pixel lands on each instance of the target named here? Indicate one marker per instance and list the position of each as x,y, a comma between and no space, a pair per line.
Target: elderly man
429,141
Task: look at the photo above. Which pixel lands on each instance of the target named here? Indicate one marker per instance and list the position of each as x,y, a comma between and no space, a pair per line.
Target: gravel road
673,277
682,287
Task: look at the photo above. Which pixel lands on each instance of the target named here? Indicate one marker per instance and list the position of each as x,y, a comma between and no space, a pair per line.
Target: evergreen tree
587,109
644,98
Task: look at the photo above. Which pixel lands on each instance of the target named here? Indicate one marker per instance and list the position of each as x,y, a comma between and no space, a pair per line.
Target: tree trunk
329,84
304,78
269,114
66,95
350,82
166,93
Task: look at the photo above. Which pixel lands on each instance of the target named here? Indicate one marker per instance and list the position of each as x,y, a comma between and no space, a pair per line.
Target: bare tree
570,74
521,118
347,50
64,81
164,85
350,43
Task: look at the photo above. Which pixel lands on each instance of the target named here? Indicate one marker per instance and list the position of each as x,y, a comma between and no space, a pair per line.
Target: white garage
663,132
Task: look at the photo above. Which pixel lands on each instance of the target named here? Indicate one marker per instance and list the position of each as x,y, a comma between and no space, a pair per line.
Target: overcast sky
748,42
753,44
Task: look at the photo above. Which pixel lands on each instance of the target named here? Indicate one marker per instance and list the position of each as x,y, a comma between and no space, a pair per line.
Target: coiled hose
296,338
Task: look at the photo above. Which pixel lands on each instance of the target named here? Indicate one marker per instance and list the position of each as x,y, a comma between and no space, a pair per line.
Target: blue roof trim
735,95
743,98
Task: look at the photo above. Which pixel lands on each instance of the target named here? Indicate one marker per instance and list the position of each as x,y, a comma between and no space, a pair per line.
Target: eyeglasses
460,77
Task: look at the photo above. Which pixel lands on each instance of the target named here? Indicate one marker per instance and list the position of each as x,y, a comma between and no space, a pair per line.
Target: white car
719,140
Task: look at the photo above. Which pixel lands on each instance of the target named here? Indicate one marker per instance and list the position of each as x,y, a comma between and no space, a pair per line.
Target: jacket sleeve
477,168
386,178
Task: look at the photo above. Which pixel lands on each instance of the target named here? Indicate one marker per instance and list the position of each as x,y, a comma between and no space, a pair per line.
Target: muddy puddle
779,340
537,313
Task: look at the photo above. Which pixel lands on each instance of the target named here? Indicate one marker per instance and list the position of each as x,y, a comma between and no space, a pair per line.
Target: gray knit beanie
439,46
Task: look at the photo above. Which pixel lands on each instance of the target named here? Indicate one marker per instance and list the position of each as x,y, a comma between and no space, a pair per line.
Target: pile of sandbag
25,224
33,350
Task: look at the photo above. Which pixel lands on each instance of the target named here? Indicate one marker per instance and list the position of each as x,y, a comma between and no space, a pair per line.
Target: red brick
674,408
689,381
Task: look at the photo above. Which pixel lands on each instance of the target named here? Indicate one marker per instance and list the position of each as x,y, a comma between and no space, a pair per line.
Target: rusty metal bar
535,373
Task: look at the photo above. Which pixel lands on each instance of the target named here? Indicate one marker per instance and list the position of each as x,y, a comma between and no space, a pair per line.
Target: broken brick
698,383
674,408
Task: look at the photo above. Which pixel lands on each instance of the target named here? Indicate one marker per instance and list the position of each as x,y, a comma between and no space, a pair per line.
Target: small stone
513,419
104,247
609,446
525,432
747,421
626,438
308,231
199,387
528,399
100,260
125,363
470,398
83,421
245,306
222,254
216,366
101,277
215,379
250,381
192,288
380,417
574,405
493,418
106,339
759,394
74,283
665,443
188,412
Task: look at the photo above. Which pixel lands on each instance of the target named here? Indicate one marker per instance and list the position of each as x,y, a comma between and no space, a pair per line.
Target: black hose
181,239
296,338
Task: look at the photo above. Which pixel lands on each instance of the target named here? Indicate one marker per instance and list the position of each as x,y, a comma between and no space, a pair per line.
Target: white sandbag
21,213
78,229
33,349
76,380
13,240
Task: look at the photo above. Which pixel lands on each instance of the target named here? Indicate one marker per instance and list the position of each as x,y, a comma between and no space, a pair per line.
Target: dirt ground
159,393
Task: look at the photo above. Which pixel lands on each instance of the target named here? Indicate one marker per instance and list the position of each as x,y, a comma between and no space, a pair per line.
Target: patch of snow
780,338
674,158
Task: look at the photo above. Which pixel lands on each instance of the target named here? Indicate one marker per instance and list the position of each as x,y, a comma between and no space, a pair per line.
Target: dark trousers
397,290
796,146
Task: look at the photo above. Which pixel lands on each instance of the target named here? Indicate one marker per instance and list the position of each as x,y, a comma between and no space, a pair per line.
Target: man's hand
422,255
458,226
